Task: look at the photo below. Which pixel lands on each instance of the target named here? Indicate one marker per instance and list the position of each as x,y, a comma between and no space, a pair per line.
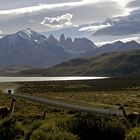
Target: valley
70,70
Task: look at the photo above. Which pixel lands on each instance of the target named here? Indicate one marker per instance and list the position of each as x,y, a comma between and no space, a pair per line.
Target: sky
102,21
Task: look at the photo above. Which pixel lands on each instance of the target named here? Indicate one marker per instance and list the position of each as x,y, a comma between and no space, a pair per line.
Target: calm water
24,79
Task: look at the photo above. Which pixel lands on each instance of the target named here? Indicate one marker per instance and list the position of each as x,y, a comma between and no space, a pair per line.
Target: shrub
88,126
134,134
52,135
50,131
35,125
10,130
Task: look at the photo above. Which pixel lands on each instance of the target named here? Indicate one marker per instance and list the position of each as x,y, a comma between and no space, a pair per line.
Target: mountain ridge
27,47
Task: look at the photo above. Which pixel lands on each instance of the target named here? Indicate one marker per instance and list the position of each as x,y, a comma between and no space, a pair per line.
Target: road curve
66,105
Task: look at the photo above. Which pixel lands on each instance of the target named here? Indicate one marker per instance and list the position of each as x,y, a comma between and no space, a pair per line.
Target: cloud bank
127,25
134,4
22,14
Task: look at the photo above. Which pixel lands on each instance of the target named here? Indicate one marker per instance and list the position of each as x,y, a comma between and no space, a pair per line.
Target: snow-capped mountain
27,35
27,47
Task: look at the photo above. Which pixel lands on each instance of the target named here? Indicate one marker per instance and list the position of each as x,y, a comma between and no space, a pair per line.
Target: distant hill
118,46
107,64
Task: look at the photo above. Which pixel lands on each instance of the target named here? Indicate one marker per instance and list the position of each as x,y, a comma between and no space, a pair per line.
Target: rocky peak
118,43
52,40
27,35
84,41
62,39
69,40
133,42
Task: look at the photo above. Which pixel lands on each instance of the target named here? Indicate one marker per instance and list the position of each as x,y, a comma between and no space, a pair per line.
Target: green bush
134,134
32,127
10,130
91,126
50,131
52,135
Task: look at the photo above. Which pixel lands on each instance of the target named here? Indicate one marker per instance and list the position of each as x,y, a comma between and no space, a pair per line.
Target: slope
107,64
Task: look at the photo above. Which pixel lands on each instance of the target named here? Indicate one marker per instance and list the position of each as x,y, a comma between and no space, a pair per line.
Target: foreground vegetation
61,124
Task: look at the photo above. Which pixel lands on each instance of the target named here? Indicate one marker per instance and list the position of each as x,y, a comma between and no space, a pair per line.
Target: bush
10,130
35,125
52,135
134,134
50,131
88,126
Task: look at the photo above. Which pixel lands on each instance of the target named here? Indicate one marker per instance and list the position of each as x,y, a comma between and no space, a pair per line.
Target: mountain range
29,48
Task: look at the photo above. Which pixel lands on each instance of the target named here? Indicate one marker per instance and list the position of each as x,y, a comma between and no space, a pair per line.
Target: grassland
106,93
71,125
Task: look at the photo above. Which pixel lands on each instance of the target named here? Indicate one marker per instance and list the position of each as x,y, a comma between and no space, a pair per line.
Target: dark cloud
127,25
134,3
95,12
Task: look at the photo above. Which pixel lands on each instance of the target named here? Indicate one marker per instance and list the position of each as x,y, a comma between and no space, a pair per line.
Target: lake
30,79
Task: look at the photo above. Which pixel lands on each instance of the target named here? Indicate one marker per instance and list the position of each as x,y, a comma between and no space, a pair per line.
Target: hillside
107,64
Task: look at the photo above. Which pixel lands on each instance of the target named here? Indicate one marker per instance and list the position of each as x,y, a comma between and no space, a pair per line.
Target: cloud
58,22
17,15
0,34
136,38
40,7
94,28
127,39
127,25
31,21
13,4
134,4
43,6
